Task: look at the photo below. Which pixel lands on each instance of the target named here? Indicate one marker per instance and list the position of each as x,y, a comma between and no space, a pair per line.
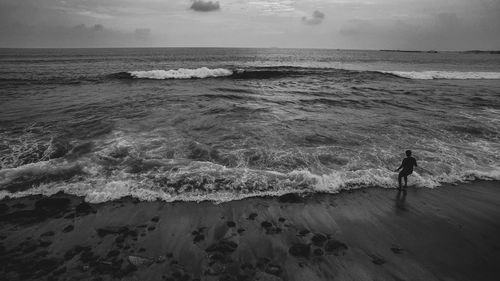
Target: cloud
205,6
317,18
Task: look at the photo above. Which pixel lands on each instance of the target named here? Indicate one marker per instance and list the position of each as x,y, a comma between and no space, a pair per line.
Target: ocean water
225,124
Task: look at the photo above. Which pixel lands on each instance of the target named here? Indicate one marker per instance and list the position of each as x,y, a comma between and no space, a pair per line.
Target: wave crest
181,73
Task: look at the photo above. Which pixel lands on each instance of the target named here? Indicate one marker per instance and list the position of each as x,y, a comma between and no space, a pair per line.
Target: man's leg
406,181
399,179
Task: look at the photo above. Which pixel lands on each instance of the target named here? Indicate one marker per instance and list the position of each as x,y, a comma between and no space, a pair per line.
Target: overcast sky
351,24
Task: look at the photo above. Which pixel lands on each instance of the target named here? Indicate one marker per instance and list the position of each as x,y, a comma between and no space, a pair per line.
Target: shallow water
222,124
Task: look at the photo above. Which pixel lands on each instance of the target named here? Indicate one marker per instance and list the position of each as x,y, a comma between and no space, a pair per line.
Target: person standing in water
408,163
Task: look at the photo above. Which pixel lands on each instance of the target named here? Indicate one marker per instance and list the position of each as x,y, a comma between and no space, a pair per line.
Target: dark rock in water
70,216
334,246
29,247
125,231
290,198
75,251
318,239
252,216
273,269
262,262
155,219
304,232
318,252
231,224
198,238
160,259
151,228
88,257
48,233
108,267
281,219
217,256
377,260
68,228
241,230
266,224
223,247
300,250
396,250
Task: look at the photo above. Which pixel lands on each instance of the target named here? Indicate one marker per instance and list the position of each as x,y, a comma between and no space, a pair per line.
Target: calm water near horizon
222,124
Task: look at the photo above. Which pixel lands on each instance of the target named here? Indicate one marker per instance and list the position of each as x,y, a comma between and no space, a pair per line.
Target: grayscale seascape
233,140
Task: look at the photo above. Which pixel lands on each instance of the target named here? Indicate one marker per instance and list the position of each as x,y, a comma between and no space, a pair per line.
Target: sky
336,24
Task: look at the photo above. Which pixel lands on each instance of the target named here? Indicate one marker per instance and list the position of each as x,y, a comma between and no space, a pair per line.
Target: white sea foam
456,75
182,73
138,165
98,189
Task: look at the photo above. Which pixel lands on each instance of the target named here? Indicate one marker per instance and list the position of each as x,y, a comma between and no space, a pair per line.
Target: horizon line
284,48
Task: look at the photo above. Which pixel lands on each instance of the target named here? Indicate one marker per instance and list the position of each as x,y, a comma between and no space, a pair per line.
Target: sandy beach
447,233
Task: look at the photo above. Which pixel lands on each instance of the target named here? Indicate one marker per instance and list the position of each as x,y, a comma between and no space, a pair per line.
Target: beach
447,233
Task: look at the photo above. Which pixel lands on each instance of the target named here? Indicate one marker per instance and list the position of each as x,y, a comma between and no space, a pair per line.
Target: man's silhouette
407,165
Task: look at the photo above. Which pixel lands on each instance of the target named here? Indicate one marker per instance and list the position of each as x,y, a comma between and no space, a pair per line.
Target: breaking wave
204,181
120,166
290,71
449,75
181,73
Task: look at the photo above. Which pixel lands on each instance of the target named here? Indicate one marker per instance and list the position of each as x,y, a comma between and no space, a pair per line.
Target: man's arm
401,166
415,162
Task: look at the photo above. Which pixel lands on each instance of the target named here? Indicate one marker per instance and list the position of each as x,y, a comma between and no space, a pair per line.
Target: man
407,166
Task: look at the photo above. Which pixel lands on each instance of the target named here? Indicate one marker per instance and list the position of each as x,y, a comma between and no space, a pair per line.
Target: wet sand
448,233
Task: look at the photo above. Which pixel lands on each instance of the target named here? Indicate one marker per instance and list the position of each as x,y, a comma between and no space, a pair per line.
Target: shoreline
446,233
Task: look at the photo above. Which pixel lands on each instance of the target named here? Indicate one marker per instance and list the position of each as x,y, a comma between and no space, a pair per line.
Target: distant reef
481,52
410,51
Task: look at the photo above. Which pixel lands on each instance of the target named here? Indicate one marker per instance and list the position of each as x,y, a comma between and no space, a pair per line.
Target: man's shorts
404,173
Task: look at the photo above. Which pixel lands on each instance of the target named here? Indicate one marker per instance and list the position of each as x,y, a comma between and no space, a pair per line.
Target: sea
221,124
